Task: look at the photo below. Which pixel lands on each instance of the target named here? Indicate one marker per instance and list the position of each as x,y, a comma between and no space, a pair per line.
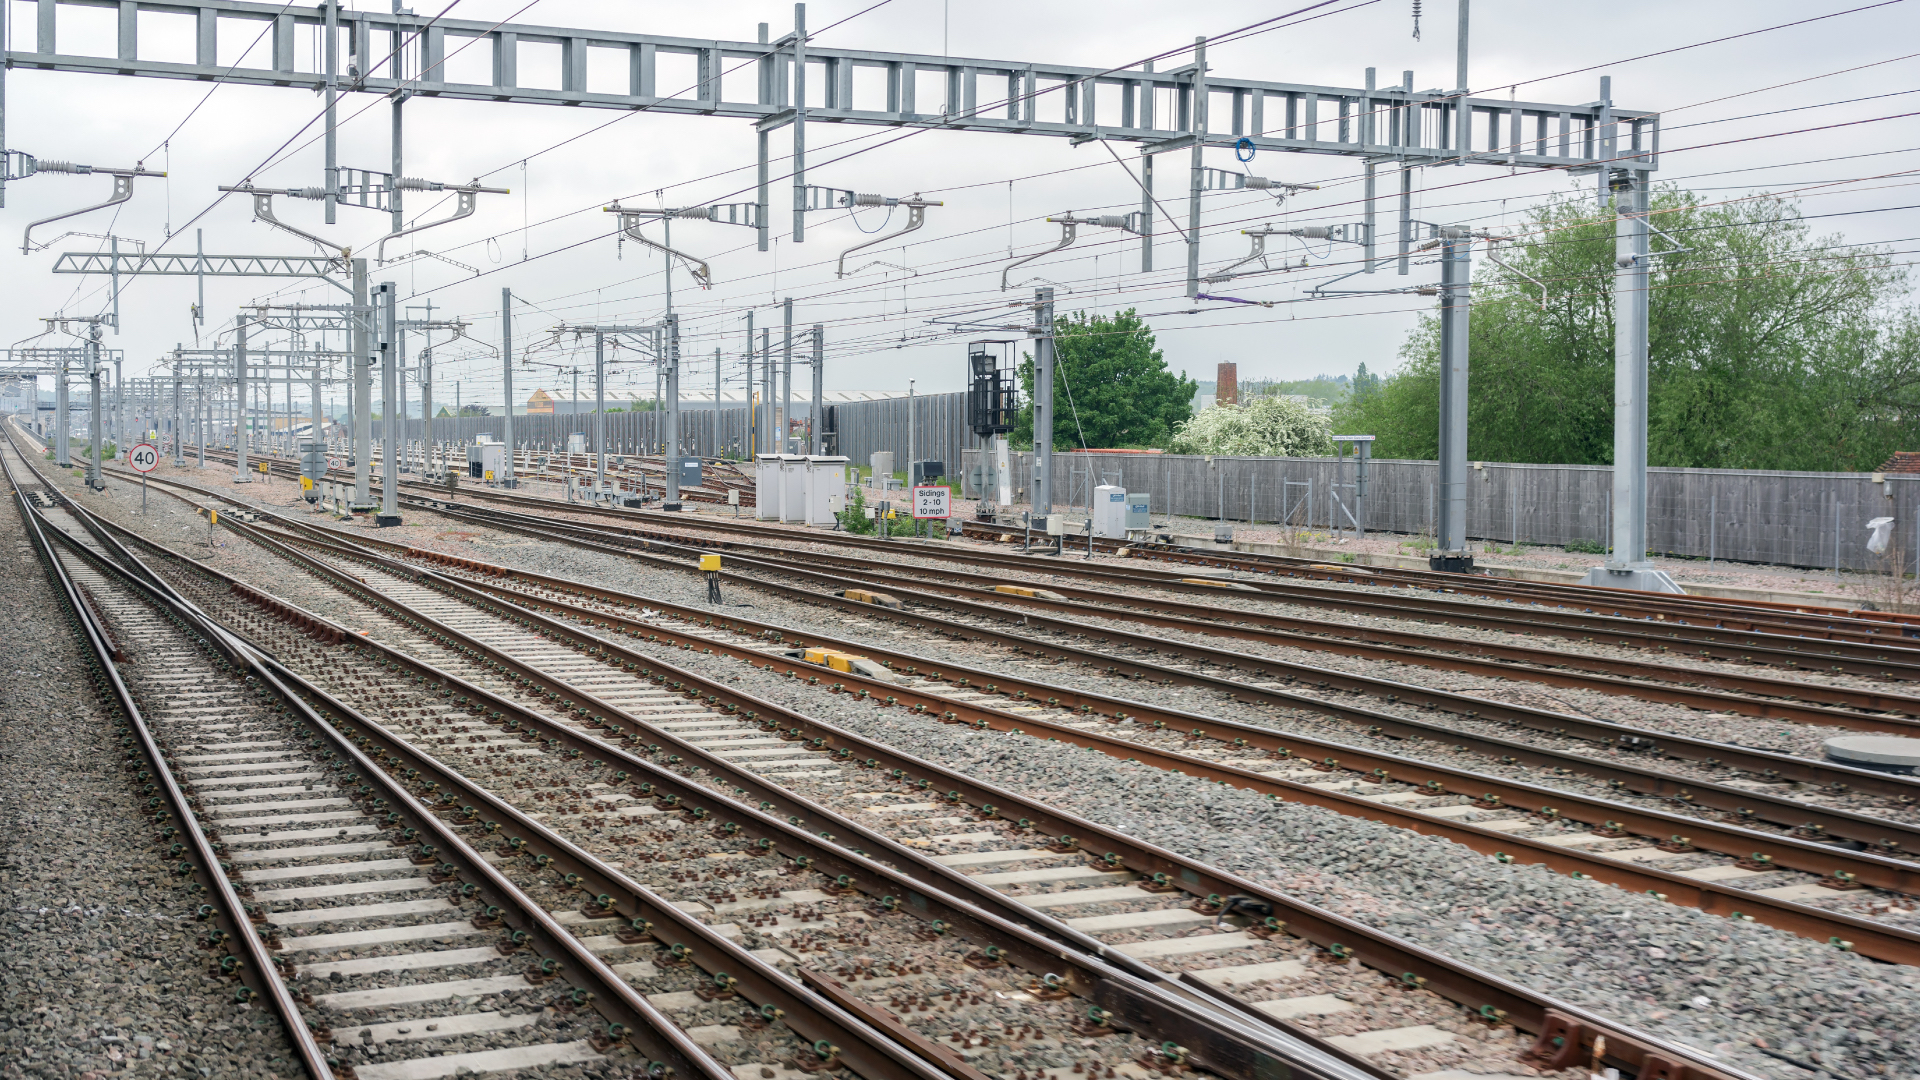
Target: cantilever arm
263,209
916,217
1068,229
630,228
466,193
122,191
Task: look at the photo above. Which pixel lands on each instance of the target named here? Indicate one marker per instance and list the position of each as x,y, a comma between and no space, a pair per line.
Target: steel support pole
179,429
393,186
506,373
752,432
1043,363
119,433
62,423
95,429
362,389
1456,272
816,441
1196,178
599,412
389,398
1630,243
671,434
766,392
317,439
331,47
240,401
799,123
1463,116
399,350
426,409
785,420
200,414
1628,567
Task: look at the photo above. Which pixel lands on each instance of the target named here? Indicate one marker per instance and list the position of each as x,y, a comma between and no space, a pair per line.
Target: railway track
1329,935
1696,687
1774,896
282,819
1251,678
1471,808
1264,572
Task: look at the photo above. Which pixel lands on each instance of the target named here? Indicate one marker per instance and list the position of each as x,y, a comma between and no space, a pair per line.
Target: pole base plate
1450,564
669,506
1643,578
385,520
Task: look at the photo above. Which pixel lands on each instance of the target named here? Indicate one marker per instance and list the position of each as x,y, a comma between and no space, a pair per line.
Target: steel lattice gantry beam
979,94
1185,107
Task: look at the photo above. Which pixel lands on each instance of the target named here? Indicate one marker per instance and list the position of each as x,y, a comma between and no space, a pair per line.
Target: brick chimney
1226,390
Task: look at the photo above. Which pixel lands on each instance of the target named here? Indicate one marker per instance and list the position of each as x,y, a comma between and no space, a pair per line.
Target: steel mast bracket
19,166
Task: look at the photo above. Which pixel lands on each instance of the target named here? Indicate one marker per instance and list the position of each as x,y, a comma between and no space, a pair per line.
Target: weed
1586,547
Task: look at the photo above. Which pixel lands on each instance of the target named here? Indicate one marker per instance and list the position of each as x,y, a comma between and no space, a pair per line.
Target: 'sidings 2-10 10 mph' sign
932,502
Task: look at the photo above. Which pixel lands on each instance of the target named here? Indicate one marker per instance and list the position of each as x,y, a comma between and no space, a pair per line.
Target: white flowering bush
1267,427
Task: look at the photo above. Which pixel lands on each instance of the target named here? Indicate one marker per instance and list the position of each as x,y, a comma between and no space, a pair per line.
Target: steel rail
1877,870
631,1017
1312,924
1134,992
1562,668
1633,603
1762,763
1814,618
1872,659
228,913
1493,996
1810,820
1868,937
1628,631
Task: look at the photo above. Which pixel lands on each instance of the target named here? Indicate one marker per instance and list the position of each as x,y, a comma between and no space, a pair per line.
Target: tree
1768,347
1111,386
1265,427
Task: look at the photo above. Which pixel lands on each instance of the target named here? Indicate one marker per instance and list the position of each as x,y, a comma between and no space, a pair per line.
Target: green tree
1768,347
1111,386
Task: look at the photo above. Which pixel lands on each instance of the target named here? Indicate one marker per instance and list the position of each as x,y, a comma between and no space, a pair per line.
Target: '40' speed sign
143,458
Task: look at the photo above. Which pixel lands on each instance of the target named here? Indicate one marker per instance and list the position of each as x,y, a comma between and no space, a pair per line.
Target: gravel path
103,975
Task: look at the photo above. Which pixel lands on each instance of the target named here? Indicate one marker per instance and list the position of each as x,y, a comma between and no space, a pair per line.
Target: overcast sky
549,242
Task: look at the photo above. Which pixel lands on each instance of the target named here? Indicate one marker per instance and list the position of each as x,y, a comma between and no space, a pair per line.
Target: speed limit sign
143,459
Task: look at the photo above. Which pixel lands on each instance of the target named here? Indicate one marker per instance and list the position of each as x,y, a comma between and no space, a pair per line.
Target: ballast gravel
1725,988
101,975
1716,985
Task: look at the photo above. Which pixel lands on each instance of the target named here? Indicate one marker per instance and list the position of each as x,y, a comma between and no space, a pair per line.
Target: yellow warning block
867,596
1022,590
838,661
710,563
1340,569
306,483
1218,584
263,466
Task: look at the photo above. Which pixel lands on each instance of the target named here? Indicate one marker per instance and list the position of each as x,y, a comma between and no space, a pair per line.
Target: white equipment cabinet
767,487
826,488
793,488
1110,512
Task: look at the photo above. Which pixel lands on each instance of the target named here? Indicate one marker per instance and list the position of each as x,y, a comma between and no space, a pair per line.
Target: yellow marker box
838,661
710,563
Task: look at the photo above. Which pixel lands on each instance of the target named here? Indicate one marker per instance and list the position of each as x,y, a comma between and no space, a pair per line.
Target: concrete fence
1804,519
